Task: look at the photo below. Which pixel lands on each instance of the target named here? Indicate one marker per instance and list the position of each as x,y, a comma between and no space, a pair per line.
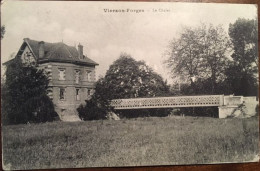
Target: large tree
243,34
199,54
243,71
215,45
126,78
24,95
184,55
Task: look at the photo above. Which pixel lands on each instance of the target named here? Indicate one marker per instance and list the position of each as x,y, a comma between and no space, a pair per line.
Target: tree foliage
199,53
243,34
242,73
98,106
24,95
126,78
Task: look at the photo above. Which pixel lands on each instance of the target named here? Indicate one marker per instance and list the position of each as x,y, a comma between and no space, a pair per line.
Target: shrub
91,111
133,113
39,109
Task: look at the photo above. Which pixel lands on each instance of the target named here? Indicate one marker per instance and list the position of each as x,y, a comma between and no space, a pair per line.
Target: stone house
71,74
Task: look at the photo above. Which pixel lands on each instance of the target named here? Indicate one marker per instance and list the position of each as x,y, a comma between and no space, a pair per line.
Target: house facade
71,74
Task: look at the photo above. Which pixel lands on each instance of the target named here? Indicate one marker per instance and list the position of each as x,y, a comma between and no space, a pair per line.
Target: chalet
71,74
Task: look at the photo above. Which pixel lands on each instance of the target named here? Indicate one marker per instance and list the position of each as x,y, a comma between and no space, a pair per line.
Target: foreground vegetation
140,141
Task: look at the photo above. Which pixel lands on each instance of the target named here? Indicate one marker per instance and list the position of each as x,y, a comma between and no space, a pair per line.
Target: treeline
207,60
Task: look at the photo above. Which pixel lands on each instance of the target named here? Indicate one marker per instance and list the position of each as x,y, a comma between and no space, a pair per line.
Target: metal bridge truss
169,102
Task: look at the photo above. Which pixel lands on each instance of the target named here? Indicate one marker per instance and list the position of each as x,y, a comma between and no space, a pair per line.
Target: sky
145,35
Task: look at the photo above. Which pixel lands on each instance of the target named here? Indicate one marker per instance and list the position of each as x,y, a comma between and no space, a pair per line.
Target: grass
140,141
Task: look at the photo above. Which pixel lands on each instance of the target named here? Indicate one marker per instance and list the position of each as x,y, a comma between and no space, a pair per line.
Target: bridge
169,102
228,105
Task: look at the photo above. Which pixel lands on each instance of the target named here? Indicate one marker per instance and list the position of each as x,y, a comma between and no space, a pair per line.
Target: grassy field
141,141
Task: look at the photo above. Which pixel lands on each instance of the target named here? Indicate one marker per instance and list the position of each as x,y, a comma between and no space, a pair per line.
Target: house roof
55,52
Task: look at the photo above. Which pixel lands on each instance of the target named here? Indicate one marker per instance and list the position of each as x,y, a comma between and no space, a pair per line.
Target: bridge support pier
226,111
243,110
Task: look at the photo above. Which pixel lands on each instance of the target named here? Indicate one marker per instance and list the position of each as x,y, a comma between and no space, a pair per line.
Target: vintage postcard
115,84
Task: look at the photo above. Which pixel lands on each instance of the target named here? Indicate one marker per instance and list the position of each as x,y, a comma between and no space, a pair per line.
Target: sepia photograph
89,84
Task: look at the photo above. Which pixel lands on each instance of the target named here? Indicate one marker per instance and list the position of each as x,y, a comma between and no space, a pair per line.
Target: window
90,92
77,94
28,59
88,75
77,72
61,74
62,93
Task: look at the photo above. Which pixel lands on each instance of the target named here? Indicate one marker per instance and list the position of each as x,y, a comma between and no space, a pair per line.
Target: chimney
26,39
80,51
41,49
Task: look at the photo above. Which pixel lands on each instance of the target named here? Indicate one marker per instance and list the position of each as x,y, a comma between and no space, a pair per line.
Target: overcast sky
104,35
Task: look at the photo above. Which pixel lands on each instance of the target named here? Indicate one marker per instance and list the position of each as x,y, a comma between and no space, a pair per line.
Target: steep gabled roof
56,52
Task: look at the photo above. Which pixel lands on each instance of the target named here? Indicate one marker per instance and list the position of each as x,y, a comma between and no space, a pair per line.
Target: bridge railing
169,102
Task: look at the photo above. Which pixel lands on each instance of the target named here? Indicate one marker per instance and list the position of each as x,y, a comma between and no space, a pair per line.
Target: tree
24,95
2,31
126,78
199,53
184,55
215,45
243,71
243,34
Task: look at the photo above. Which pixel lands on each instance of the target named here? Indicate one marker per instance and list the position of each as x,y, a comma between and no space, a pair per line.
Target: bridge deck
169,102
